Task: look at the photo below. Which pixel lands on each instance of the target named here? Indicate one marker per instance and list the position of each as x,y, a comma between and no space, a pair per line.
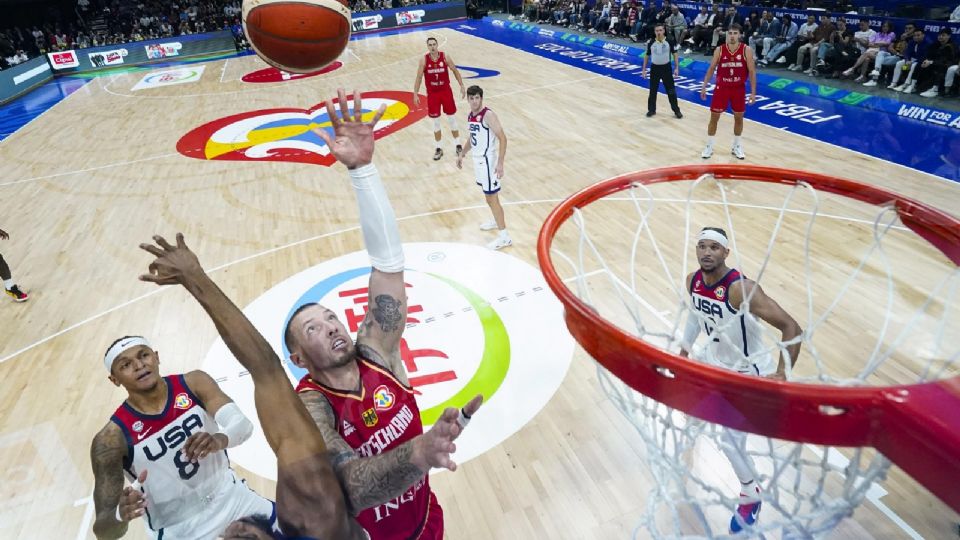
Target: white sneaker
688,51
794,67
933,92
737,151
871,82
910,89
874,74
707,152
894,86
488,225
782,60
500,243
808,71
899,88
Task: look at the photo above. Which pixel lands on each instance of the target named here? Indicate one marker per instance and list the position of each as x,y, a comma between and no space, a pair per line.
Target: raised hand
202,444
352,142
132,502
175,265
434,447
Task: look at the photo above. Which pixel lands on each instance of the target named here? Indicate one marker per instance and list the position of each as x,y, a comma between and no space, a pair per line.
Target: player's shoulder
110,435
689,281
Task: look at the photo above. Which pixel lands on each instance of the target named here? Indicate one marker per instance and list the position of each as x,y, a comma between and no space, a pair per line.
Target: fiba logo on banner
478,322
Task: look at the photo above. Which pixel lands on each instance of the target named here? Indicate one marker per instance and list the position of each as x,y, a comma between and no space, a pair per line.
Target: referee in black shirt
659,52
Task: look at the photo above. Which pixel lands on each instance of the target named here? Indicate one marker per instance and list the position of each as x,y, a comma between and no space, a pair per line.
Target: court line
325,235
86,524
223,71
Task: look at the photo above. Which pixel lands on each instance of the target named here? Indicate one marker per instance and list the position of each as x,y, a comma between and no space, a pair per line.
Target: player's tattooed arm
106,456
379,336
366,481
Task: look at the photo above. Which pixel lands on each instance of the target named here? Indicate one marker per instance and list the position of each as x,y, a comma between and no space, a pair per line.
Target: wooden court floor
98,174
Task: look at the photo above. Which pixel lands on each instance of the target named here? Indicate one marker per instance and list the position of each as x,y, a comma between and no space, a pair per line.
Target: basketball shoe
747,511
459,149
488,225
17,295
438,154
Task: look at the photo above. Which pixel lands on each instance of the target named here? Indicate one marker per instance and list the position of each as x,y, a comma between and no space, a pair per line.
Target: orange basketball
299,36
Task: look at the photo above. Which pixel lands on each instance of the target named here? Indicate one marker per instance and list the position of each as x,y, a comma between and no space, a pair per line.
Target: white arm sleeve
690,332
233,424
377,220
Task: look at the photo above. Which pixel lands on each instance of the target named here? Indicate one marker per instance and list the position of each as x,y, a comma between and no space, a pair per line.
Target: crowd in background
114,22
909,59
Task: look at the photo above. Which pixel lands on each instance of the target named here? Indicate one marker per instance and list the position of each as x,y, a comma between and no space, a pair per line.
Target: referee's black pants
663,73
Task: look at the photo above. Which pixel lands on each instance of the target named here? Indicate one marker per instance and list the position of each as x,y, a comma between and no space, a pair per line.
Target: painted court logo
286,134
274,75
170,77
478,322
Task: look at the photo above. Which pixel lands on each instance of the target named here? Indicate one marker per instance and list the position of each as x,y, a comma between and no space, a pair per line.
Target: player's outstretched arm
106,456
352,144
770,311
305,477
370,481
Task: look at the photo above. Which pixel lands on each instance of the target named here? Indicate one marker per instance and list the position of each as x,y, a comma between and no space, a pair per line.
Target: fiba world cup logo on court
478,322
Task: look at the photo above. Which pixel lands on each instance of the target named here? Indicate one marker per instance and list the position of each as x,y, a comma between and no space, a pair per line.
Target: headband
117,349
708,234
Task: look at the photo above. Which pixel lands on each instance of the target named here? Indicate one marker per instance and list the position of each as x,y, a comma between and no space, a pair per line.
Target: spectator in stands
604,20
843,51
720,32
820,36
705,35
949,89
913,53
627,24
785,39
864,36
698,23
879,40
765,35
931,73
675,25
664,12
887,59
577,10
643,28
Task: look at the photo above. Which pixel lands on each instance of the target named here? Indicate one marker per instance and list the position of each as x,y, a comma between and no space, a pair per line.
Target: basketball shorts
734,97
483,169
232,501
433,528
441,100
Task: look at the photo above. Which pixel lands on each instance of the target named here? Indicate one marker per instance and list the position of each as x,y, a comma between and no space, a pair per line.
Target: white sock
504,234
736,140
710,140
9,284
452,120
437,144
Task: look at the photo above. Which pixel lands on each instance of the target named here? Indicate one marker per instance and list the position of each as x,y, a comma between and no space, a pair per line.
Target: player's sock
9,284
504,234
736,140
710,140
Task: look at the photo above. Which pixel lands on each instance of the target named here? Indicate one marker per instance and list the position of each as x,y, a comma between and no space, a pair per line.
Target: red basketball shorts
441,99
734,97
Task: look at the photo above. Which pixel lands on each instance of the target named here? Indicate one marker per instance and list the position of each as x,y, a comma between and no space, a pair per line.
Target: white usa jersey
483,141
736,338
175,489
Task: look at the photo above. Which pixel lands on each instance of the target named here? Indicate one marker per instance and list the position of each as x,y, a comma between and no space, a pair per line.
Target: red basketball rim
916,426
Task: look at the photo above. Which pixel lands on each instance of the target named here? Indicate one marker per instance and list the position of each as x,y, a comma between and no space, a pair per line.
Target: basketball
298,36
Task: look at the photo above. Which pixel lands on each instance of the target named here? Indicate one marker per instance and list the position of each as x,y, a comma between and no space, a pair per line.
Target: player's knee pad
436,124
453,123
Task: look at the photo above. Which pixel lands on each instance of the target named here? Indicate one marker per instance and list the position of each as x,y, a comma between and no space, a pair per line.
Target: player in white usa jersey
724,303
487,142
170,437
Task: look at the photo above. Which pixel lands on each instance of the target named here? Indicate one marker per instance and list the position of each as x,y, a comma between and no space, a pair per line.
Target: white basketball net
806,490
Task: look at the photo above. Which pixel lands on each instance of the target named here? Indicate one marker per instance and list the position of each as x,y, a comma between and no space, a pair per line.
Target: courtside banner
63,59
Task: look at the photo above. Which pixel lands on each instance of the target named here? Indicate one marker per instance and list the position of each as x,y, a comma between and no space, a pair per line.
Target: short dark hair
716,230
735,26
288,338
946,31
433,39
475,91
865,20
659,25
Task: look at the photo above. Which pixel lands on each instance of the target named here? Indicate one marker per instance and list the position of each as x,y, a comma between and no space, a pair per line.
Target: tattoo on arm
366,482
106,457
387,313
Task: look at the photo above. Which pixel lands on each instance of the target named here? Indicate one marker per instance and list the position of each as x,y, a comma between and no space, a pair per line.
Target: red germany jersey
435,72
732,69
381,416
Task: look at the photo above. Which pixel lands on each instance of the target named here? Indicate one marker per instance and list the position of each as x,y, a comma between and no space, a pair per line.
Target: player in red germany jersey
433,67
325,470
734,64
